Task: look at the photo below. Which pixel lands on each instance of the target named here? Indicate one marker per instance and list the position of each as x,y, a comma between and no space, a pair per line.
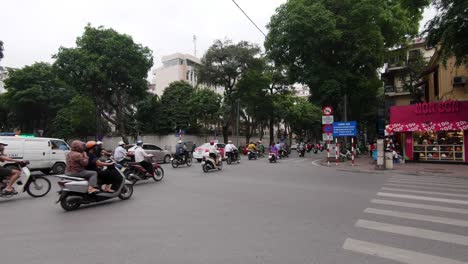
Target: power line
249,18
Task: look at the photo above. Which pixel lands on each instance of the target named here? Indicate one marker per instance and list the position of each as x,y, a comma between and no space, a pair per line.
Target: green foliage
411,74
335,46
175,113
148,114
35,95
205,106
110,68
449,29
77,119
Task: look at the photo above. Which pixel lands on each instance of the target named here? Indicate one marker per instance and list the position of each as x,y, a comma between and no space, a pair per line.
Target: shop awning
429,126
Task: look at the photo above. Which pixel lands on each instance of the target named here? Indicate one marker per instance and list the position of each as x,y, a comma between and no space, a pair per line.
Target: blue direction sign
344,129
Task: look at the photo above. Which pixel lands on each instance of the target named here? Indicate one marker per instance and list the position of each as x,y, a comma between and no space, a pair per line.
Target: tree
449,29
223,65
335,46
175,112
303,117
77,119
110,68
411,74
35,95
205,106
1,50
149,114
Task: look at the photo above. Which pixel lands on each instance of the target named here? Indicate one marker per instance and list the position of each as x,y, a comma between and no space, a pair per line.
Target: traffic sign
328,129
327,110
327,120
326,137
344,129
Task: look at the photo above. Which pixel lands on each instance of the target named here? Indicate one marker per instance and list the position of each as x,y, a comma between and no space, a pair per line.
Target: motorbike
233,156
272,157
283,154
35,185
252,155
135,172
74,191
208,163
181,160
346,154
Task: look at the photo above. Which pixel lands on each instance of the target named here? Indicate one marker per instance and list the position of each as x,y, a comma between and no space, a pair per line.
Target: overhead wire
249,18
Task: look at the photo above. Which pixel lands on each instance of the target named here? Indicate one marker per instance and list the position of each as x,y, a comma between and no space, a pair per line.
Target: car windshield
206,145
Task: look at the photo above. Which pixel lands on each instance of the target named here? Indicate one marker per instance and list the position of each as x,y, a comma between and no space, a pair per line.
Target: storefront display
436,131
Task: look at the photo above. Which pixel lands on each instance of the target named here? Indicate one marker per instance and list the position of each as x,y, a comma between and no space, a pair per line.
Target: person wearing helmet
77,160
213,152
231,149
181,151
13,174
101,152
141,156
120,152
106,177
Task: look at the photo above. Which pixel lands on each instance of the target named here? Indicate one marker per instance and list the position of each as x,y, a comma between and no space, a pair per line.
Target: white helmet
180,141
3,143
229,141
121,143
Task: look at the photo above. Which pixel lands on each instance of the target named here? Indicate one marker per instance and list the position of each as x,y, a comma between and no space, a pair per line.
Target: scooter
252,155
74,191
208,163
283,154
272,157
35,185
135,172
181,160
233,156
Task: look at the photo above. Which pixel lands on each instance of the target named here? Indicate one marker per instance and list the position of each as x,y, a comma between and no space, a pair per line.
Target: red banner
429,126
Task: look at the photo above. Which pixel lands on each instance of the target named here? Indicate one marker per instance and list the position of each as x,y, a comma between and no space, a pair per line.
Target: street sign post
327,137
344,129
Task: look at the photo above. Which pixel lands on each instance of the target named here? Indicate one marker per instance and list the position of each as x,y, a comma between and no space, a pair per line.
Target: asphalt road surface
252,212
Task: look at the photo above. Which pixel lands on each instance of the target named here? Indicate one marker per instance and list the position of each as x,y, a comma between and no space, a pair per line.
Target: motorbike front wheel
229,160
174,163
205,168
69,204
126,192
38,186
158,174
189,161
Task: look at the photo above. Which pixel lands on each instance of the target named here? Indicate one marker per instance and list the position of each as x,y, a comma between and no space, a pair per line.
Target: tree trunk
272,130
225,133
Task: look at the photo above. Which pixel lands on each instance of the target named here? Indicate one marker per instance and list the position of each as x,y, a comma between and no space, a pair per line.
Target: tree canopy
110,68
449,29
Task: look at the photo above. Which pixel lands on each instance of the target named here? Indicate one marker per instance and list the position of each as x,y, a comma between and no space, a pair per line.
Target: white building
3,77
301,90
176,67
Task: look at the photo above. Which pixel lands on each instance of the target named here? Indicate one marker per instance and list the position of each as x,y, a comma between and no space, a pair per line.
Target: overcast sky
33,30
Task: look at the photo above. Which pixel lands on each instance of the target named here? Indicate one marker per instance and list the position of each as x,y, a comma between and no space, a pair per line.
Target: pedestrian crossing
411,208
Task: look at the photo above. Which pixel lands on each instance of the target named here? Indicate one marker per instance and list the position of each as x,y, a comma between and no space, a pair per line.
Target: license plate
203,162
200,151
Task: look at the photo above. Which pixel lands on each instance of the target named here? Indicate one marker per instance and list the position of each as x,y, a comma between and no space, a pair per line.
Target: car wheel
58,168
167,158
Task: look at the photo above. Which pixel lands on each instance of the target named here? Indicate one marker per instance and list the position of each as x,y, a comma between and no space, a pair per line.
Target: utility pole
237,121
195,45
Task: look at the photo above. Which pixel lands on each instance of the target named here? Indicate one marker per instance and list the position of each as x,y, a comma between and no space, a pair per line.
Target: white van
44,154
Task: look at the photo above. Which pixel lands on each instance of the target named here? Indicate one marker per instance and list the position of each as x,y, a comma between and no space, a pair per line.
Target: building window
187,77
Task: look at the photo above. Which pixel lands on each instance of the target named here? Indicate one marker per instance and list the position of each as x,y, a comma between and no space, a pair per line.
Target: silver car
161,155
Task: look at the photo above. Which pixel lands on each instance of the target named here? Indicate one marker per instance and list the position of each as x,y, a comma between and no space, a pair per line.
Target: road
254,212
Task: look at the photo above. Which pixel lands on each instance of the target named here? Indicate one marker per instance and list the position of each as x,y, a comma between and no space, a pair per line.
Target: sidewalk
365,164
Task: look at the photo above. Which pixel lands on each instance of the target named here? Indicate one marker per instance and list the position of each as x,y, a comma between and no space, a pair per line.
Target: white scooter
74,191
208,163
34,185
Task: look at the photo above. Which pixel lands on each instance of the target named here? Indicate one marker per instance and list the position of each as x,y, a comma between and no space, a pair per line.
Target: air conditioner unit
459,80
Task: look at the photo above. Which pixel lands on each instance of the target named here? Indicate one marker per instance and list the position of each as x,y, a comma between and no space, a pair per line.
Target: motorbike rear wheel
229,160
158,174
175,163
68,204
189,161
126,192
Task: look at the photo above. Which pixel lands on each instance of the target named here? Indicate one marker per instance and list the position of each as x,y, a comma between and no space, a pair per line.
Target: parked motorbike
252,155
135,172
208,163
233,157
346,154
35,185
181,160
74,191
272,157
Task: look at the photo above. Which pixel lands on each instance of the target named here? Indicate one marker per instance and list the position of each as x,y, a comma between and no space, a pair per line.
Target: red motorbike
134,172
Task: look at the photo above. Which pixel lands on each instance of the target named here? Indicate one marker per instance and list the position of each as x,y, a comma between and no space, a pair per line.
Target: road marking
423,192
396,254
419,217
449,181
423,198
421,206
430,184
424,187
314,162
414,232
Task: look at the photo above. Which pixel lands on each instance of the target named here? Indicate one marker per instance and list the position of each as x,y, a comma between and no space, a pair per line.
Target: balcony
391,90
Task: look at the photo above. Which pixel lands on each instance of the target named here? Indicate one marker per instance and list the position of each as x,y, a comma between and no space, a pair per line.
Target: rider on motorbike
120,153
77,160
214,153
5,172
231,149
181,151
107,177
261,147
140,157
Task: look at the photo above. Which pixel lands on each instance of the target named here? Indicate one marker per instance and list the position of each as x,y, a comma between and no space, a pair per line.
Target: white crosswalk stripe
400,195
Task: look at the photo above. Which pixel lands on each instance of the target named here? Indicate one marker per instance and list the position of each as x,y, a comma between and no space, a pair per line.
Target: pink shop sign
425,113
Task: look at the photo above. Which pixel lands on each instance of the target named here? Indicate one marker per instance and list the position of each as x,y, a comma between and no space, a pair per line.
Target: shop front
436,132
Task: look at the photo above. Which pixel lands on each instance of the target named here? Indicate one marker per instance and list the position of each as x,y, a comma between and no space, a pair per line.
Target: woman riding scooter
106,177
77,160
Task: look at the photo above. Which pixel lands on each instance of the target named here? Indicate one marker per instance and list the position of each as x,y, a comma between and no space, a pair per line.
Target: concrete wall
446,88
